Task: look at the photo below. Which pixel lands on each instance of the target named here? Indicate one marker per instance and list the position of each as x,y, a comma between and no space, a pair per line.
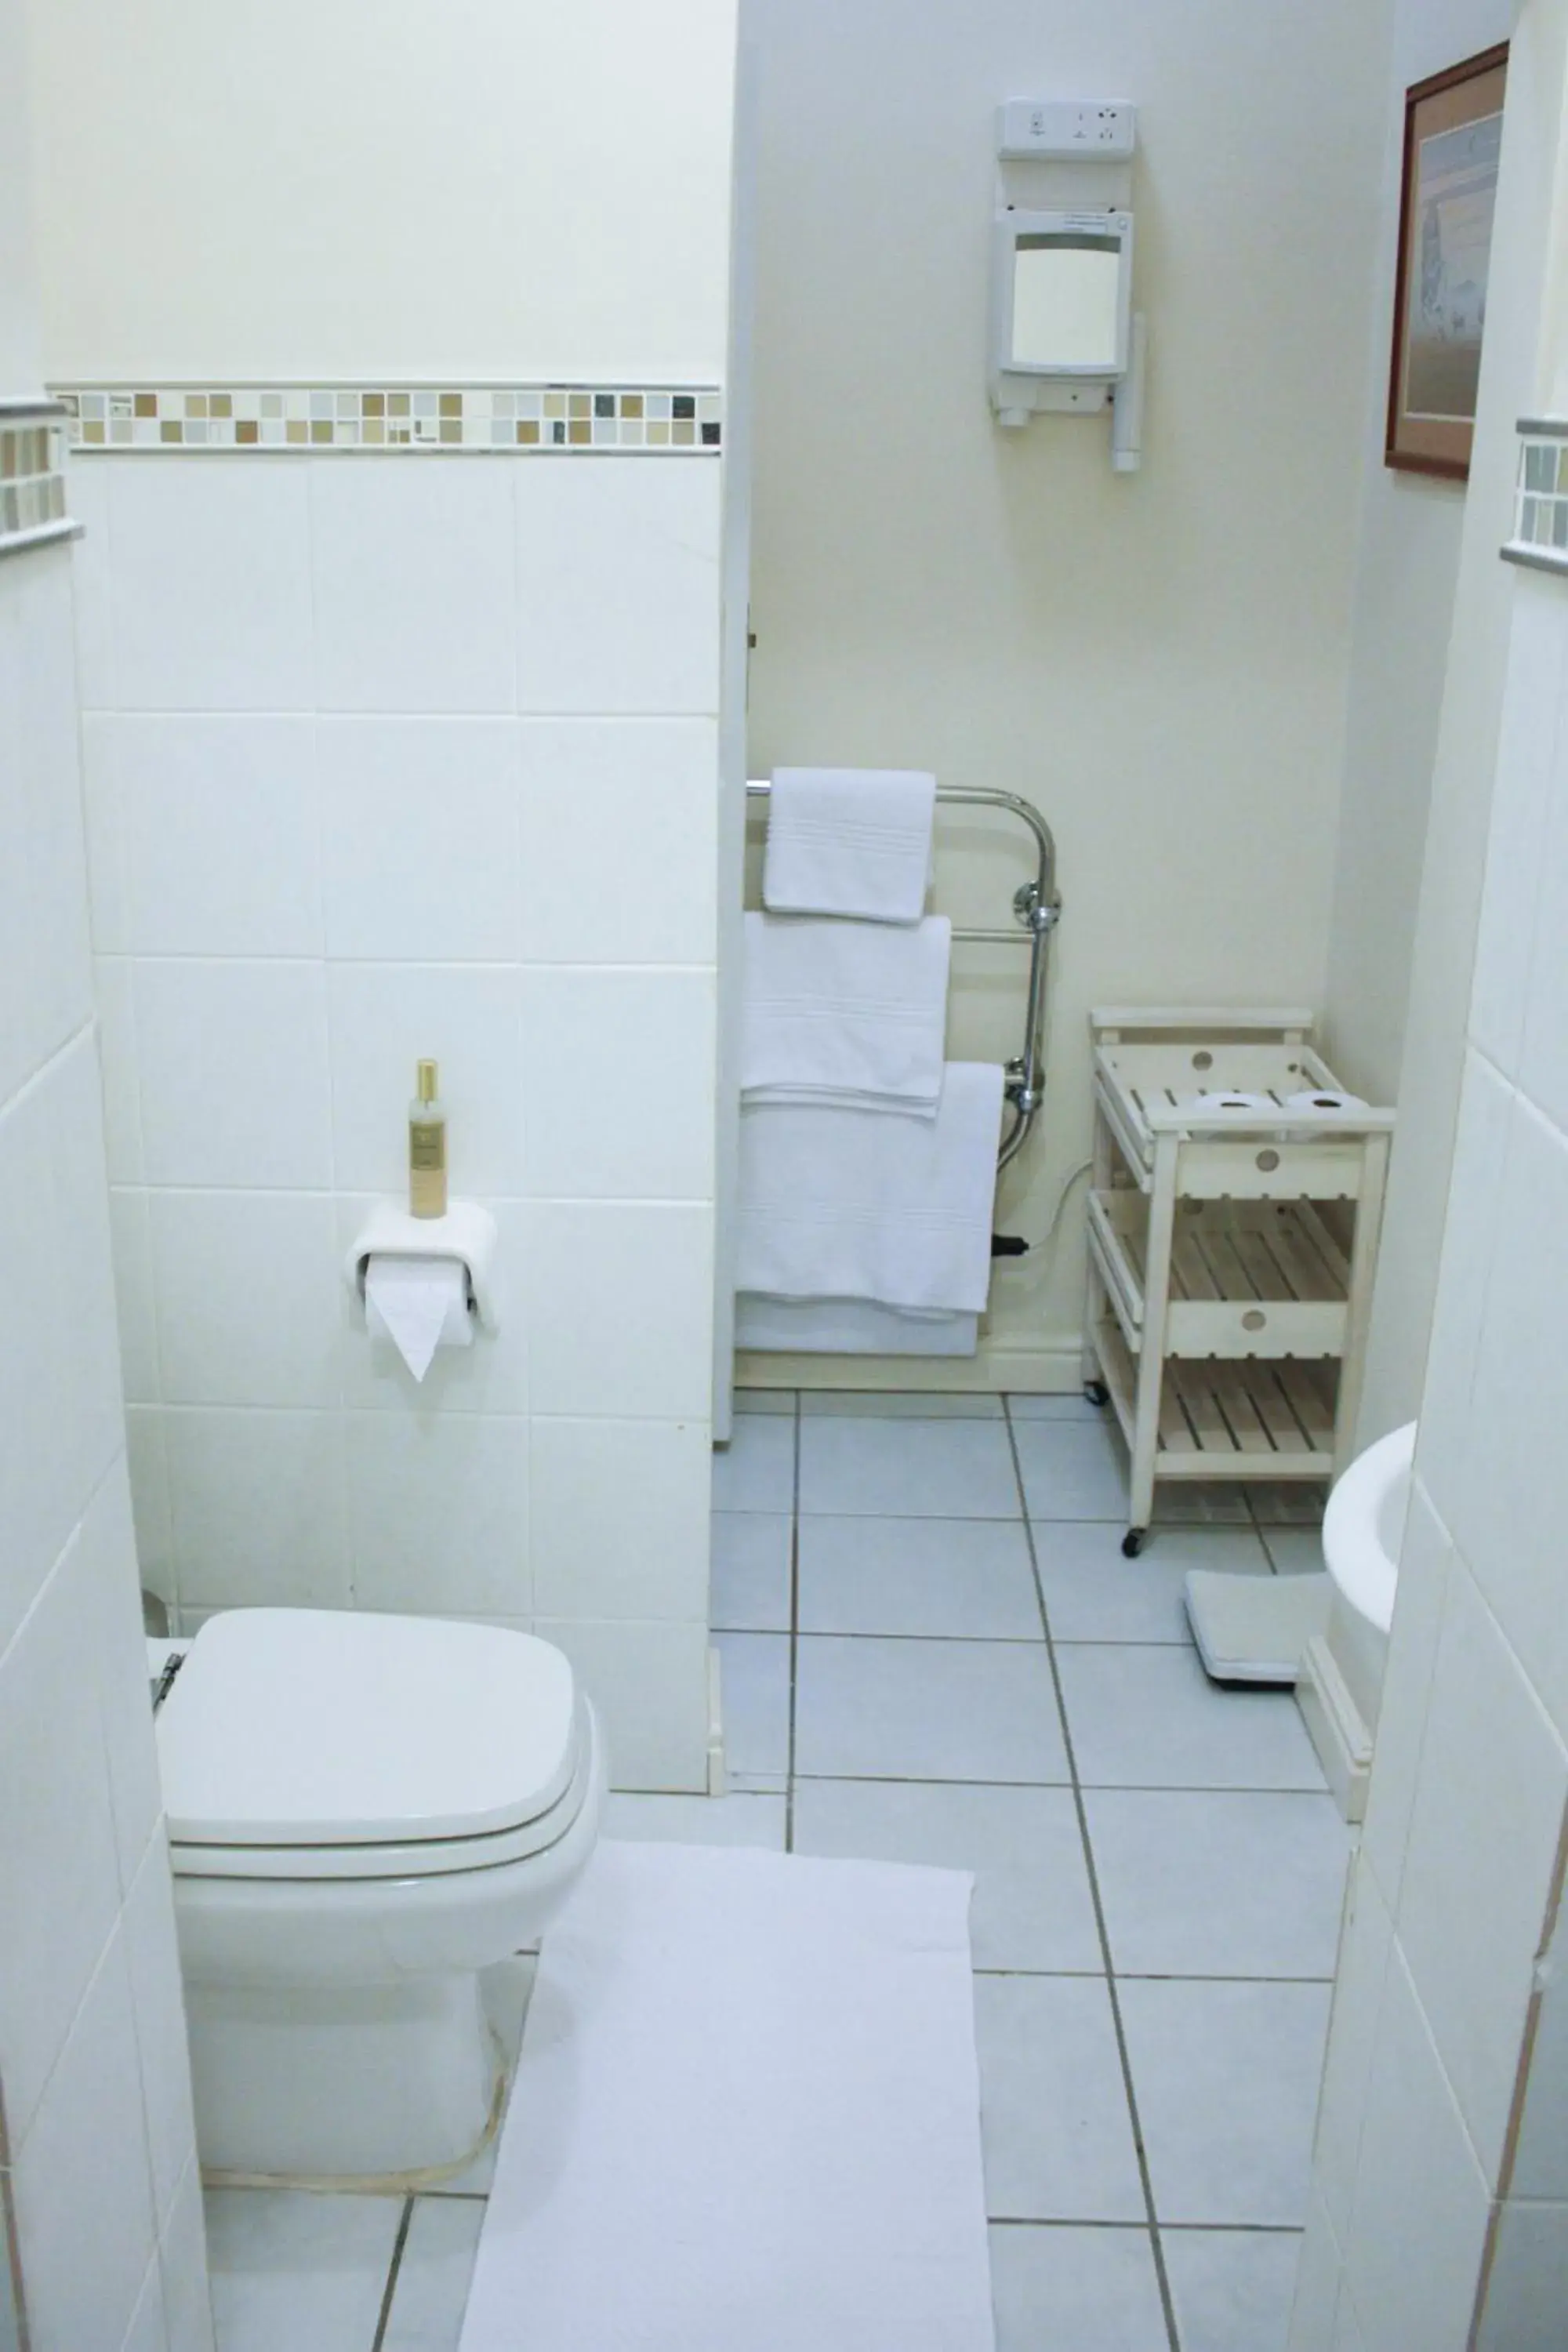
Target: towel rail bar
1036,910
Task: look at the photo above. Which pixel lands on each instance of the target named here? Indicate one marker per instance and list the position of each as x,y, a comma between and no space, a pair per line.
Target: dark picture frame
1453,134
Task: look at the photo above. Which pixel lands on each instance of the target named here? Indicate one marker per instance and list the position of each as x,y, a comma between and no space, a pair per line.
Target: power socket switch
1062,130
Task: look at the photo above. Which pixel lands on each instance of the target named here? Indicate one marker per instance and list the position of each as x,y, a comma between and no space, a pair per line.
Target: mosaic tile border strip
32,474
527,420
1540,496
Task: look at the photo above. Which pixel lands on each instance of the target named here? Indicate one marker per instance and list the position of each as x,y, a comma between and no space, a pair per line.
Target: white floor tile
1075,2289
741,1818
1225,2077
1296,1551
1070,1405
434,2275
755,1472
1218,1884
753,1684
750,1591
1147,1718
292,2269
968,1578
1215,1503
926,1711
1094,1594
1072,1470
1032,1907
898,1404
1291,1503
911,1469
1053,2109
1232,2289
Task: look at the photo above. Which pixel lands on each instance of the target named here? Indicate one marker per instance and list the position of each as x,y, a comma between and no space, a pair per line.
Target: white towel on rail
849,841
853,1013
848,1326
851,1204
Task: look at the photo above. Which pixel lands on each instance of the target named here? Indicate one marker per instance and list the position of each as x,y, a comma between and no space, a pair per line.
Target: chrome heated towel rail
1036,911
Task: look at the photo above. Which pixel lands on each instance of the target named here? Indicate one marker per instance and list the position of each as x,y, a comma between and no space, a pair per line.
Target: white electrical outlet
1062,130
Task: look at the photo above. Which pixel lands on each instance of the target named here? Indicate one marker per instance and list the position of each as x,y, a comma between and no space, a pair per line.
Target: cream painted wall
415,196
1514,378
1160,662
1407,568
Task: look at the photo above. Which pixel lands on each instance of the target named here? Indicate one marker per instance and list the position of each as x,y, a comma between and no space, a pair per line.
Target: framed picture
1453,137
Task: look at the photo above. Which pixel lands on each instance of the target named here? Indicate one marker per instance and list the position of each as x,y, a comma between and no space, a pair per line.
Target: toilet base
373,2085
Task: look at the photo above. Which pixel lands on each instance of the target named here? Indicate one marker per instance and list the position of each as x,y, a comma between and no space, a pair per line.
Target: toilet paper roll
420,1304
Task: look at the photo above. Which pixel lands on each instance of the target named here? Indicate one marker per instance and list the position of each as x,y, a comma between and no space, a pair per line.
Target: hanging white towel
848,1326
849,841
852,1013
850,1204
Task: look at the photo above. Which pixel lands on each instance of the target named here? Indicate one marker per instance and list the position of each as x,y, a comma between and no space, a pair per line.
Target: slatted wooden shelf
1258,1418
1246,1277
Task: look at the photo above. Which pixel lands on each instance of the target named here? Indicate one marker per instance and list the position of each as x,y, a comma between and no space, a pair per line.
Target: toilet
368,1815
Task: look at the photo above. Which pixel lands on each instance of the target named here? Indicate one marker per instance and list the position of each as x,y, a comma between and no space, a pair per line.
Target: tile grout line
794,1628
385,2315
1145,2181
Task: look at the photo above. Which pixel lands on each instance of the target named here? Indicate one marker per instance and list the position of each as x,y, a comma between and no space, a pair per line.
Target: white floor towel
849,841
851,1204
846,1012
746,2118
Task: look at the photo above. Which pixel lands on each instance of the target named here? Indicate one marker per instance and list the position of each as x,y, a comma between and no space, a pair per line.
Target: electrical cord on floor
1015,1245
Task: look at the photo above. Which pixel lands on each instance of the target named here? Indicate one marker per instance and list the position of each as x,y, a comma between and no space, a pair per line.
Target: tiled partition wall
1441,2178
390,756
95,2115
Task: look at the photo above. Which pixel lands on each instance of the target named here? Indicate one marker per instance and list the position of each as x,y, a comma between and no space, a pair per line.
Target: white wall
96,2135
1158,661
1440,2180
1407,563
275,190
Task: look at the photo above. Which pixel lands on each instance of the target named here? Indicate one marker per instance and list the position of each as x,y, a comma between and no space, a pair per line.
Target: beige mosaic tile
32,476
535,418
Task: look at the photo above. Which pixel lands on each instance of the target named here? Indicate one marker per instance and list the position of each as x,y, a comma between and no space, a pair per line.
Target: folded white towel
852,1013
849,841
851,1204
848,1326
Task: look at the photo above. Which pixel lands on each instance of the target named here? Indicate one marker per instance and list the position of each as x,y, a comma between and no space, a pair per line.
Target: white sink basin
1364,1526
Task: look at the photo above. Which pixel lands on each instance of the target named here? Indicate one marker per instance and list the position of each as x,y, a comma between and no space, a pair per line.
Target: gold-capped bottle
426,1148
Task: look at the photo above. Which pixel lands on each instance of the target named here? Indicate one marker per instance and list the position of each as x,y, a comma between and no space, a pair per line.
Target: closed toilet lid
302,1726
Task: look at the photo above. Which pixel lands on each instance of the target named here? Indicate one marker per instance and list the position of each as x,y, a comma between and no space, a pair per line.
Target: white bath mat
746,2118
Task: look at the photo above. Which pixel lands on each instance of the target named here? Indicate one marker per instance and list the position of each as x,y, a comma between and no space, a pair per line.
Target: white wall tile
259,1507
211,825
1505,1515
649,1685
1479,1870
112,1647
234,1086
56,1809
1469,1241
620,1085
1365,1943
620,1309
1527,2287
414,581
46,986
91,589
488,1376
149,2329
619,823
1541,2152
617,572
132,1238
385,1017
153,1959
439,1513
1414,2249
420,839
1407,1688
104,816
84,2204
120,1078
1530,752
60,1373
210,572
187,2301
1317,2284
621,1518
148,1470
248,1297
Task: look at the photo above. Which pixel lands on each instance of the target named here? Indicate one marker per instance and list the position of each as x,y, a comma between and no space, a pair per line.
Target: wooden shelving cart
1231,1249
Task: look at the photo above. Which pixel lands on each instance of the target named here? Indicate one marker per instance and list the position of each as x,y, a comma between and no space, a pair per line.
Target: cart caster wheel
1132,1542
1097,1393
